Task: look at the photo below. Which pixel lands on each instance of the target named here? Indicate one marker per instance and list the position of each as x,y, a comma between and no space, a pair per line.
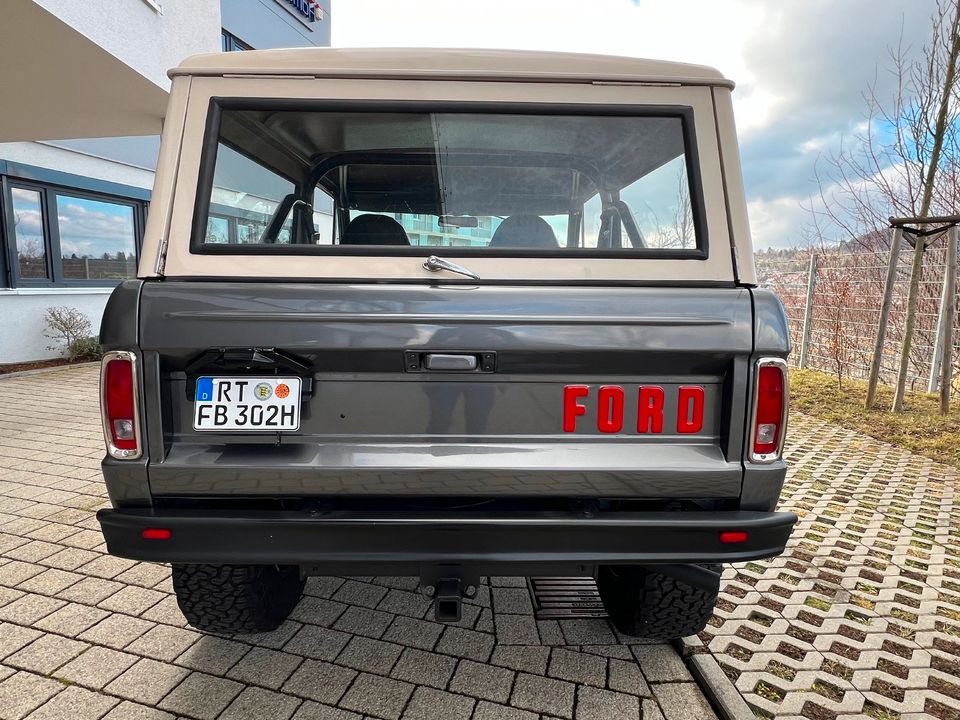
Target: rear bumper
409,540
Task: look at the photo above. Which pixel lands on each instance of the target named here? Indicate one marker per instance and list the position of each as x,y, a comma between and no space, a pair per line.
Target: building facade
73,206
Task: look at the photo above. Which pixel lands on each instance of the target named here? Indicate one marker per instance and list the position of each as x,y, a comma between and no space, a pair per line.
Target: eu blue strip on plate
204,389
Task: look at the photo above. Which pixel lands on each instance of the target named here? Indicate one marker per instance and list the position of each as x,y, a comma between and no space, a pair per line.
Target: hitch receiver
447,602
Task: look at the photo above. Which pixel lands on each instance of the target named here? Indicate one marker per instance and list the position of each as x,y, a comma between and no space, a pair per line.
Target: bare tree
905,159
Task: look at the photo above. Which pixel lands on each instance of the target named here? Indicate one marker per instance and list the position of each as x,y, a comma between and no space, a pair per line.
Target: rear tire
652,605
237,598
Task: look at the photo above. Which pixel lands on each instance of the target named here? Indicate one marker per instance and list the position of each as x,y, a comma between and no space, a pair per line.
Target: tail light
119,406
770,398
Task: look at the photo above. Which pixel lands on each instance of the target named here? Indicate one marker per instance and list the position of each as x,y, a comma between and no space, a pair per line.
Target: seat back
372,229
524,231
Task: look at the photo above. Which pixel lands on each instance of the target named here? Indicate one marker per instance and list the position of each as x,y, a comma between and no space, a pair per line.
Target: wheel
647,604
237,598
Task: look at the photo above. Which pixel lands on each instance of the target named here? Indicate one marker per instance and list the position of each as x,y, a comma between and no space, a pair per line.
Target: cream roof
449,63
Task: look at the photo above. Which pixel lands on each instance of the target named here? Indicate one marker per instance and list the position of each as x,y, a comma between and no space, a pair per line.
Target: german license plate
245,404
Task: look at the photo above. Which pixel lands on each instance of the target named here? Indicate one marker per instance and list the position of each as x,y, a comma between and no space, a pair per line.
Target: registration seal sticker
282,390
262,391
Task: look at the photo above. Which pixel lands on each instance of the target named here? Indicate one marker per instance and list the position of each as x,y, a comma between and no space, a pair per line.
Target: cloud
775,223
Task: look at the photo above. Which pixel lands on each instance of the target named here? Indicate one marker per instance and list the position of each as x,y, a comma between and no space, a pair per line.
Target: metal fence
832,299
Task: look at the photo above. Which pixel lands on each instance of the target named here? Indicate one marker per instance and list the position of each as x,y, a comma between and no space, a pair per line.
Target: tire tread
653,605
236,598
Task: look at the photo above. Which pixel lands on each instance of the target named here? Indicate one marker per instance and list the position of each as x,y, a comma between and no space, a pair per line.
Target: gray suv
447,314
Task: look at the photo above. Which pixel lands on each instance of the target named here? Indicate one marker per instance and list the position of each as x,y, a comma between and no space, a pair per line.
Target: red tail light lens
157,534
734,536
118,388
770,410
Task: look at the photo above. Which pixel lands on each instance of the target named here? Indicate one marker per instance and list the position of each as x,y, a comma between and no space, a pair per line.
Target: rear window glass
468,183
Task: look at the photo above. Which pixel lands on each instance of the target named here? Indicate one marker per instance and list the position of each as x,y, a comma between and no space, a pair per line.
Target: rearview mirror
459,221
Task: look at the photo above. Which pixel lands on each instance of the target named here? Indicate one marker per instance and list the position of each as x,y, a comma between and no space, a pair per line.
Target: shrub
66,326
87,348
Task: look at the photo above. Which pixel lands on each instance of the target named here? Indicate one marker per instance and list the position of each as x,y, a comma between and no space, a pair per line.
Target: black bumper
318,541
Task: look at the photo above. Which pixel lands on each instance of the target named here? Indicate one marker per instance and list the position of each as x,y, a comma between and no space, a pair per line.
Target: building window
29,244
60,236
98,239
231,43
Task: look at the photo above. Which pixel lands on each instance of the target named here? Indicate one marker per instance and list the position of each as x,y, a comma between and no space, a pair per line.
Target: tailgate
571,391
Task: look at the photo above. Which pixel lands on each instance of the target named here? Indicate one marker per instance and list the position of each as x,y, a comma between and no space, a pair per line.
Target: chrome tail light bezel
112,450
777,453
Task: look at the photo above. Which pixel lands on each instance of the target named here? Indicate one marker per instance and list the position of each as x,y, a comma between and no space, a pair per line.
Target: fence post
808,311
896,237
912,300
933,381
949,317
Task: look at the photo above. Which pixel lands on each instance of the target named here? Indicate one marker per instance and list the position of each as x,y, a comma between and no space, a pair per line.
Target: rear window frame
211,142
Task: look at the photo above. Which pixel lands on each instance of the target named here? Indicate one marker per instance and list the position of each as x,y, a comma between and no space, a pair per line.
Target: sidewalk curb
40,371
719,690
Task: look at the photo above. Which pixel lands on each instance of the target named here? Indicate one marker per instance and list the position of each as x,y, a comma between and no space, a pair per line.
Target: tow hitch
447,591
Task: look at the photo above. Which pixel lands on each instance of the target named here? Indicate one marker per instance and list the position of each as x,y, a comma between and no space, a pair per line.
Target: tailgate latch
484,362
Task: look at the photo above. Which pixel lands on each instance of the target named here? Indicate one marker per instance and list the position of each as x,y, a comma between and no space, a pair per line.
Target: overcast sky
800,65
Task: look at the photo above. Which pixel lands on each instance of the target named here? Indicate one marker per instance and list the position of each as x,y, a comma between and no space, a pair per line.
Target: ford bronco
449,314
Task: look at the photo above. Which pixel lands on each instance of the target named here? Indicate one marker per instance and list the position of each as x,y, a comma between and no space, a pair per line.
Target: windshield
470,182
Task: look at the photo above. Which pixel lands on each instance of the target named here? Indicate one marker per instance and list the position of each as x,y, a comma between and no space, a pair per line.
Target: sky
801,66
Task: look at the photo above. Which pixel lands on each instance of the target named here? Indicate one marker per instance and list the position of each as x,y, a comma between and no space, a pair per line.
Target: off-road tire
237,598
652,605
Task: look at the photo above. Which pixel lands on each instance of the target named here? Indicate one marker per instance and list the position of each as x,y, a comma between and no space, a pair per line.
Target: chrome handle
436,264
449,361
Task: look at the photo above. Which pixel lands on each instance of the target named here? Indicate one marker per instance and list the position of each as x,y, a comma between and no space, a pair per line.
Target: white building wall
23,310
150,36
23,326
69,161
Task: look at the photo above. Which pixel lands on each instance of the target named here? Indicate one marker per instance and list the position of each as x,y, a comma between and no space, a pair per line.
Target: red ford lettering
572,409
607,408
650,409
690,409
610,416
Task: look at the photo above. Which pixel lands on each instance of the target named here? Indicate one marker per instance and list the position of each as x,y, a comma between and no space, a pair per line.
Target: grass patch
919,428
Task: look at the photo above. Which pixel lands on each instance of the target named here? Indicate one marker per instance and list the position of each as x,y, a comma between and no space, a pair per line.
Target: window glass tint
482,182
28,232
97,239
245,196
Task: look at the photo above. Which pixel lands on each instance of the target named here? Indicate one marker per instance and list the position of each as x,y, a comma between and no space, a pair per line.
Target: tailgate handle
450,361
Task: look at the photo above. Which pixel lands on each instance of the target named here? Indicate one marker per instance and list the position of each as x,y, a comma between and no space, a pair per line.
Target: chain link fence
844,290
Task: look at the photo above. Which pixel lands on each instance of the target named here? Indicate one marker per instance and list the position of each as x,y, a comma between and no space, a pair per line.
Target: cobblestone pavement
84,635
861,616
